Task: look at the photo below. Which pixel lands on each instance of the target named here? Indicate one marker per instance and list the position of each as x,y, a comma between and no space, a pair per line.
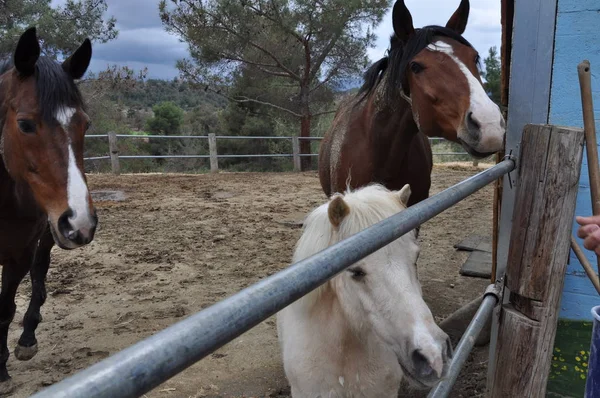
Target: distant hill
153,91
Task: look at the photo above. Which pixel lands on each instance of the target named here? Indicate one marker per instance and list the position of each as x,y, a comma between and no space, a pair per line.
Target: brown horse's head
42,128
437,71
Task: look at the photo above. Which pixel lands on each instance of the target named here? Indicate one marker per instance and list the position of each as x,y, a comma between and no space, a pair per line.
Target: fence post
537,259
212,148
113,148
296,153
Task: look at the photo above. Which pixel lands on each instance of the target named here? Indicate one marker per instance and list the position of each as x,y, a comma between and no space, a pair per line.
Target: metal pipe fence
467,341
150,362
114,155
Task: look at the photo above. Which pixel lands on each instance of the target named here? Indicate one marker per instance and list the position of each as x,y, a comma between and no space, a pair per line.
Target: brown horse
44,198
427,86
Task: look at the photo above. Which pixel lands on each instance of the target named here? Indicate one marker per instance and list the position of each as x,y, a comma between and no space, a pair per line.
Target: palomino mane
55,88
368,205
399,55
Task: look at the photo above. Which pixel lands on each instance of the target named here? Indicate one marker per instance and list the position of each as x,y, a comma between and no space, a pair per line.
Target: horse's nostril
474,124
421,364
64,226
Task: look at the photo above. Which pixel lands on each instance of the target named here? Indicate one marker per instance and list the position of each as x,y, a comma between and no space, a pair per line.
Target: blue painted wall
577,38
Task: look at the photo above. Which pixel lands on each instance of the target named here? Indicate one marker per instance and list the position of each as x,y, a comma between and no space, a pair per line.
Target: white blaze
77,191
485,111
64,115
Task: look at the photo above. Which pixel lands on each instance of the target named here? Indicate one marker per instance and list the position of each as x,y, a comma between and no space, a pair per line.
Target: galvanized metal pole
150,362
467,341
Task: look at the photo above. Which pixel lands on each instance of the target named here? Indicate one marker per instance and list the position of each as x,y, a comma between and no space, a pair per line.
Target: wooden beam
296,153
212,150
113,149
550,164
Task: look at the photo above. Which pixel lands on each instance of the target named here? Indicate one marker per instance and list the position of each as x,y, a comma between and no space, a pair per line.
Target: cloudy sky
143,42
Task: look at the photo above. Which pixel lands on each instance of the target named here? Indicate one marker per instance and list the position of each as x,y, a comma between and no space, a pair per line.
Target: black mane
55,88
399,56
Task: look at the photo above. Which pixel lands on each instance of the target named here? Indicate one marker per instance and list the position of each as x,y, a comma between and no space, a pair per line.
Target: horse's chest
16,236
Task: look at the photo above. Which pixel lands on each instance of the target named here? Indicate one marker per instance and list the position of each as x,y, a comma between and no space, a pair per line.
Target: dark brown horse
428,86
44,198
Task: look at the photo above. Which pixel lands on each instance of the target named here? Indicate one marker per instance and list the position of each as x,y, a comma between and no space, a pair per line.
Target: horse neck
393,126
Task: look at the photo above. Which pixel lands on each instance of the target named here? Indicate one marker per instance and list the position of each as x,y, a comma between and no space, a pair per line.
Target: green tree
303,45
492,74
61,29
167,119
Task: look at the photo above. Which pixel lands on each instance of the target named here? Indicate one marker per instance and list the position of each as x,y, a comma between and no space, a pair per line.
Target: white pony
362,332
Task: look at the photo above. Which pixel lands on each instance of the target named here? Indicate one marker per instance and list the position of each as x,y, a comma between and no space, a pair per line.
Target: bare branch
243,99
321,58
246,99
323,113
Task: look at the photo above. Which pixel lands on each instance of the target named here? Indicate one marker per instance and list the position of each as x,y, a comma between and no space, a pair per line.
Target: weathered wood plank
113,149
212,149
550,164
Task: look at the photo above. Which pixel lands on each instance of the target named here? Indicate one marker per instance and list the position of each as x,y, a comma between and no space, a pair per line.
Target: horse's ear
402,21
27,53
404,194
337,211
78,62
458,20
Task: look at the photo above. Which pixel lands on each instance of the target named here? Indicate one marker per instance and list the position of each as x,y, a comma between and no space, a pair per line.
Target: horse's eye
26,126
416,67
357,273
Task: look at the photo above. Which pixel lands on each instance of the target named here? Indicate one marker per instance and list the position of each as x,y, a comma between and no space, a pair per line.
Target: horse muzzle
72,231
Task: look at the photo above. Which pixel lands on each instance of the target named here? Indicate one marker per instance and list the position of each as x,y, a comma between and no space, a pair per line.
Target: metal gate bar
150,362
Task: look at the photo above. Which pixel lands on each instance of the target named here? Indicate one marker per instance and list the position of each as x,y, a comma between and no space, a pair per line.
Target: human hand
589,232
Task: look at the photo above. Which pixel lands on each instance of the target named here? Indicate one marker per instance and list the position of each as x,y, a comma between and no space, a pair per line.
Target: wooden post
550,164
212,148
296,153
113,149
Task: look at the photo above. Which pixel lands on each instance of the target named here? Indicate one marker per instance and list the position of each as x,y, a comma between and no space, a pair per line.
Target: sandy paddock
175,244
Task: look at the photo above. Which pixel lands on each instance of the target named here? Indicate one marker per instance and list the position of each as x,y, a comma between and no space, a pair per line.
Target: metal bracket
495,289
510,156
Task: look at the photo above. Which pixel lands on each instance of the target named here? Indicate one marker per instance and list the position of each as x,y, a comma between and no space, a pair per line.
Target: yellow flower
564,367
557,349
582,376
582,352
555,365
554,358
577,368
578,359
584,364
561,359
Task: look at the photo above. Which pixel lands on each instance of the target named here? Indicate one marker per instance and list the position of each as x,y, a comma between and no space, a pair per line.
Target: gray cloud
143,42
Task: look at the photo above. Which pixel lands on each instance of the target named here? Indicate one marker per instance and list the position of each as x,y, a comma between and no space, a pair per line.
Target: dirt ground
176,244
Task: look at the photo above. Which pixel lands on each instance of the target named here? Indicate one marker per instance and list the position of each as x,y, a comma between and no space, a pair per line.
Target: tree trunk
306,161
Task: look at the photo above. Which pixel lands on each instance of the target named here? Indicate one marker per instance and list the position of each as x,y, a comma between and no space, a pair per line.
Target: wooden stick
585,83
589,126
589,270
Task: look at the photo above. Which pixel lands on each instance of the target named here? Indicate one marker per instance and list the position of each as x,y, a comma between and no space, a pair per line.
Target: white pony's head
380,295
